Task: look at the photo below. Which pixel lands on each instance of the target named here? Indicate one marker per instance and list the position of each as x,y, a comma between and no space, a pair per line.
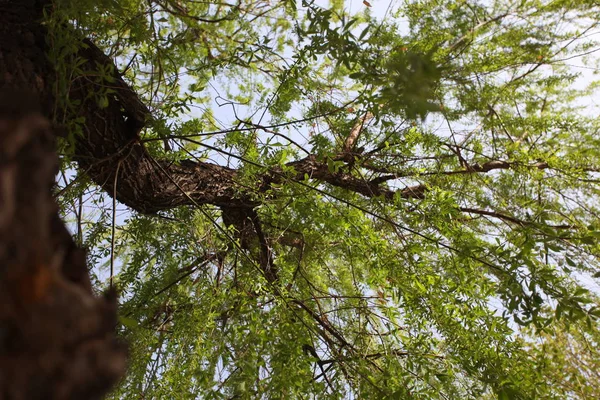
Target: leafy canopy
449,239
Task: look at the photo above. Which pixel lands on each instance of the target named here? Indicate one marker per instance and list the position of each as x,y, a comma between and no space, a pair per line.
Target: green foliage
472,290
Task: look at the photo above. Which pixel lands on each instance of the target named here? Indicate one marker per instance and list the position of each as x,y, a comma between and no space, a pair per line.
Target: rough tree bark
57,339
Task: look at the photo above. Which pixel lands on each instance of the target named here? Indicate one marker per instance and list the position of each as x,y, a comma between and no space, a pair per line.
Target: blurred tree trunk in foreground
57,339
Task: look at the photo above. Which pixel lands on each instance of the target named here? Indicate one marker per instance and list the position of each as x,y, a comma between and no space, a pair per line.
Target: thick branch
111,139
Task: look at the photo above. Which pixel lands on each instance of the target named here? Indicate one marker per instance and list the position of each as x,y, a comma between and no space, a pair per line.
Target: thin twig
114,213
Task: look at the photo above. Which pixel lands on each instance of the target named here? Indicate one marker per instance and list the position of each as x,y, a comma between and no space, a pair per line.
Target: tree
384,204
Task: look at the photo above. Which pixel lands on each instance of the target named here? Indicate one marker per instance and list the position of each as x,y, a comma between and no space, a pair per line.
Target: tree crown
332,204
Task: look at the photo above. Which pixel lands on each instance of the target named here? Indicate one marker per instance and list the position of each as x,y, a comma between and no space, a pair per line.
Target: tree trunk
57,340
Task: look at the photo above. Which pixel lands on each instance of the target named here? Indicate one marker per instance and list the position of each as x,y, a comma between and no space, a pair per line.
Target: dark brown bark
57,339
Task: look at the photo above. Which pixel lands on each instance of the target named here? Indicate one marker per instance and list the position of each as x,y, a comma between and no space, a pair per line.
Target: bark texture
57,339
